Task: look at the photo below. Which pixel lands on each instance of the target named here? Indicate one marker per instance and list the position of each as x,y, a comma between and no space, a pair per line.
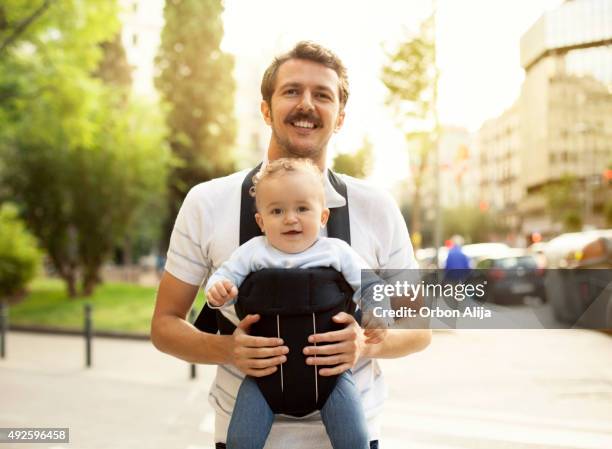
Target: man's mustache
307,116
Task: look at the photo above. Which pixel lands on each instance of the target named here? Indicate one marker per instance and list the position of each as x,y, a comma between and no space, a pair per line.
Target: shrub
19,253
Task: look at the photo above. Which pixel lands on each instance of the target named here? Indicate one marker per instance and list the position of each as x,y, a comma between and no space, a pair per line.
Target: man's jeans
342,415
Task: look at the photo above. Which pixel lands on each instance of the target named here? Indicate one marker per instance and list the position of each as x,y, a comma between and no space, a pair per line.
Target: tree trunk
90,279
67,272
127,259
89,286
415,218
71,283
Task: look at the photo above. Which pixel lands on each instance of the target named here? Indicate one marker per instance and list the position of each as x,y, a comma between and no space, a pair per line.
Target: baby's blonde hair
287,165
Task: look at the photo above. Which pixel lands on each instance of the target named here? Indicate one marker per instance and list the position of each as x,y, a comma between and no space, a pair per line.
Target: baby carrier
293,304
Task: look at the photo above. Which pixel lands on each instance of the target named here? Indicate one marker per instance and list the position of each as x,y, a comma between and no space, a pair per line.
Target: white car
558,249
477,251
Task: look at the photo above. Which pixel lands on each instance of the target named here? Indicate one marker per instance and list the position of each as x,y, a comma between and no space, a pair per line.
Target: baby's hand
374,336
375,328
221,292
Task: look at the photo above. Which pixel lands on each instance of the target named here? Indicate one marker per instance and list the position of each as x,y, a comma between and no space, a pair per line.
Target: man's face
290,211
304,110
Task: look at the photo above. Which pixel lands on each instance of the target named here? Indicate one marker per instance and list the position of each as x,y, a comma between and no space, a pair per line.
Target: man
456,259
304,94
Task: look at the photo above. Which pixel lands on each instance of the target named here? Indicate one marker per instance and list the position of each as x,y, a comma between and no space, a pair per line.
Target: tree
116,72
358,164
16,19
81,160
114,68
411,78
195,81
472,223
564,207
82,201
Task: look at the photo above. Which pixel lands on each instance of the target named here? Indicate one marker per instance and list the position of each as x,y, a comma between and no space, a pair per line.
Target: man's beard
291,150
312,152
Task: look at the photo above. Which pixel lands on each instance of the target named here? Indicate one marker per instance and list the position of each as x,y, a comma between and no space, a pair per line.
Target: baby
290,200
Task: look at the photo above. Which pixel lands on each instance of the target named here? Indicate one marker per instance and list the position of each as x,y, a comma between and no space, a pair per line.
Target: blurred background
488,120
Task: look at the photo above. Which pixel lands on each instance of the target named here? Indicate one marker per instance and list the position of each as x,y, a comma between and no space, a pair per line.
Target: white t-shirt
206,233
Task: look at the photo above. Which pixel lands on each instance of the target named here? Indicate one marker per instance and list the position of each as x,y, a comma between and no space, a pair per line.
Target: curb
64,331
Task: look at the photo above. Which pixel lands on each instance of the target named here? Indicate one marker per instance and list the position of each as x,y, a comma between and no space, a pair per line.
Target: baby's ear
260,222
324,217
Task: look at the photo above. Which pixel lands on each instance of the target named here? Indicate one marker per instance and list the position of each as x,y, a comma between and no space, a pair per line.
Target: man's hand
221,292
256,356
343,349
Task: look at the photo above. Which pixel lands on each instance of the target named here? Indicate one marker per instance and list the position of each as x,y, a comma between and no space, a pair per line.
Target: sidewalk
468,390
133,396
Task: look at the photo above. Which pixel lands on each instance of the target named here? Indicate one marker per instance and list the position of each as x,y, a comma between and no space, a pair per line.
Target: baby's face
290,210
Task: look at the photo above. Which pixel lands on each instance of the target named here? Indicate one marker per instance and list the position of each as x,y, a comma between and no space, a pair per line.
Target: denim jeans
342,416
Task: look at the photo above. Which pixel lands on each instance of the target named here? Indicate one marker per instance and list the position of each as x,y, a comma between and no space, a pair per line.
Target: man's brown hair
309,51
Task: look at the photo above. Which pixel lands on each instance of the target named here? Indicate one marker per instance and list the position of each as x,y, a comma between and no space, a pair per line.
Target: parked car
510,277
426,258
561,251
582,294
474,252
538,251
478,251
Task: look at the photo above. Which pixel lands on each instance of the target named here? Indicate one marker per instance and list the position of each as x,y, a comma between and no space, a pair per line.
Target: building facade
142,23
501,183
561,126
458,167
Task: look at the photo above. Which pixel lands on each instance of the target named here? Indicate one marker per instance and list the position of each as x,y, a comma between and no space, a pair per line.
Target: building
142,23
501,183
561,126
458,167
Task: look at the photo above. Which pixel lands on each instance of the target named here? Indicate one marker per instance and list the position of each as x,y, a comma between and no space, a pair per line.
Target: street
469,389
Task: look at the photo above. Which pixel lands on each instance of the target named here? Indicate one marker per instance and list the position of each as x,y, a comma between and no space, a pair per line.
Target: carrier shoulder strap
338,226
248,225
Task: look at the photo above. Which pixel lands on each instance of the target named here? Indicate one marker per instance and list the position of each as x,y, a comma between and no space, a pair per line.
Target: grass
116,307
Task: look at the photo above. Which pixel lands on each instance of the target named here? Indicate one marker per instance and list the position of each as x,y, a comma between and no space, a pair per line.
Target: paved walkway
470,390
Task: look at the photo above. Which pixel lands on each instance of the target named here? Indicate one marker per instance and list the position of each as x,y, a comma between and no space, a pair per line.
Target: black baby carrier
293,304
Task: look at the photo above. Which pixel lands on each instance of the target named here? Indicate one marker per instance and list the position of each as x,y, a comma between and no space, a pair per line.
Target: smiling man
304,93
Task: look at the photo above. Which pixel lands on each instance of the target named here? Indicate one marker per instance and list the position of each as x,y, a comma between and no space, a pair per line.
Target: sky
478,58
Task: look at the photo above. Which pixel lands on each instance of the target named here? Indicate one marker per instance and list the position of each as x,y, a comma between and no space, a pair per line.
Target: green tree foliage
19,18
19,254
195,80
80,159
358,164
144,232
563,204
411,78
472,223
114,68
